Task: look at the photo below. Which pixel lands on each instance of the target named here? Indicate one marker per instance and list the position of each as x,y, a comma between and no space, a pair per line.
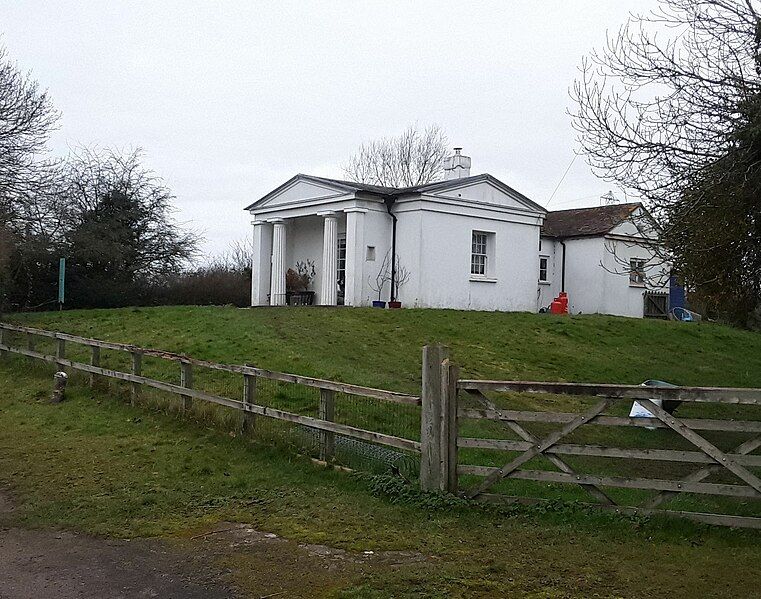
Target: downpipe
390,200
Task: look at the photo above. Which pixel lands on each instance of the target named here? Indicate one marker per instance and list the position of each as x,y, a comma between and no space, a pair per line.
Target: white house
605,259
467,242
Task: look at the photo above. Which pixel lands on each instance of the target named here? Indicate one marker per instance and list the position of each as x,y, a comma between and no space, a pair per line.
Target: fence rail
249,375
459,418
238,369
488,425
711,461
698,394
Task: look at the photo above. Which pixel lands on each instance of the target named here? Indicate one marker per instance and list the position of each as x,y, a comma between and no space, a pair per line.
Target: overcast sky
229,100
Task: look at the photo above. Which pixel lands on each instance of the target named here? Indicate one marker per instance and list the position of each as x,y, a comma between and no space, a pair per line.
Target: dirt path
268,565
215,564
40,564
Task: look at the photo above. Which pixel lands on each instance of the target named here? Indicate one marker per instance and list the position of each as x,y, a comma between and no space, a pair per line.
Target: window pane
478,264
479,243
637,271
478,253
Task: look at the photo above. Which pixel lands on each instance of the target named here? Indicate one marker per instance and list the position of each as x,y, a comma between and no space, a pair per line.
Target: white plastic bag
640,411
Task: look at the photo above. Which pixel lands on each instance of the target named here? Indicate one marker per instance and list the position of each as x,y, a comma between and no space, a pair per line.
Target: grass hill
96,464
382,348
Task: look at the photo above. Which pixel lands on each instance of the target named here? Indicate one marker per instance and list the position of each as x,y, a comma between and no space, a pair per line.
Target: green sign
61,279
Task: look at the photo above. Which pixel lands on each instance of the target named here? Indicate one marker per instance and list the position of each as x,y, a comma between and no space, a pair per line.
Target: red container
560,304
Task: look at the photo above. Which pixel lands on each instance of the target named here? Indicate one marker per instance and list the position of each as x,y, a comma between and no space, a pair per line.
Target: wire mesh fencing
356,427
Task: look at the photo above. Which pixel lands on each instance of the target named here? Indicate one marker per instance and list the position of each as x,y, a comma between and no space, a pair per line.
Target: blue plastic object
682,314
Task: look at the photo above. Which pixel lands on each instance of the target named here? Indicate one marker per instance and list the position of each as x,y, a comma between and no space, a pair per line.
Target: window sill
478,279
637,285
545,283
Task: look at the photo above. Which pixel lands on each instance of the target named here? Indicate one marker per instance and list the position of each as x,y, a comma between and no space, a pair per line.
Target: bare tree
107,188
378,283
401,274
239,255
652,111
27,117
413,158
671,109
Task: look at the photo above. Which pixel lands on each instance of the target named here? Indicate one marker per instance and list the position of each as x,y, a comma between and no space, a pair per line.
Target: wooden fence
447,402
524,436
248,386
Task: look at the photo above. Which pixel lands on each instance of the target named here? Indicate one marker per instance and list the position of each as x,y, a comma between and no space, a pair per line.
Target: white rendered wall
622,298
378,235
597,280
409,248
550,290
442,278
584,277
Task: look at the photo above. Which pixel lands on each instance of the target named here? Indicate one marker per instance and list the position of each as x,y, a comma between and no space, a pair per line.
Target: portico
326,223
331,239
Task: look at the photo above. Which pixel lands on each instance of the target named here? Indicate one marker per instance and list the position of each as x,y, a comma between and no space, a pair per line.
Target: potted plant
401,276
297,284
383,276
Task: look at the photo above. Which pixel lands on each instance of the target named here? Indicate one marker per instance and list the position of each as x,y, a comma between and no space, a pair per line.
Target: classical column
261,263
355,255
329,276
277,281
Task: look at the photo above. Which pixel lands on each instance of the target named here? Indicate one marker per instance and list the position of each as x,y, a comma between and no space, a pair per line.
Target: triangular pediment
301,190
485,190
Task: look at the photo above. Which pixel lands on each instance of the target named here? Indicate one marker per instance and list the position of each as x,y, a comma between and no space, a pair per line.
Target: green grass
96,464
382,348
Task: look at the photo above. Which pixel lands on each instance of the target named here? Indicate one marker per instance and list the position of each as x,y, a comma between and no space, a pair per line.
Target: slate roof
584,222
396,192
354,185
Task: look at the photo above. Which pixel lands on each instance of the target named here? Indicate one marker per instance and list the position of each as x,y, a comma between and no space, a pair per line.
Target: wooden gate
529,442
656,304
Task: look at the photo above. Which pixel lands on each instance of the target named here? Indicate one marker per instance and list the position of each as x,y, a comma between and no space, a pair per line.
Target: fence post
137,366
449,426
94,361
30,344
186,380
3,341
327,411
248,419
59,387
431,418
60,352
